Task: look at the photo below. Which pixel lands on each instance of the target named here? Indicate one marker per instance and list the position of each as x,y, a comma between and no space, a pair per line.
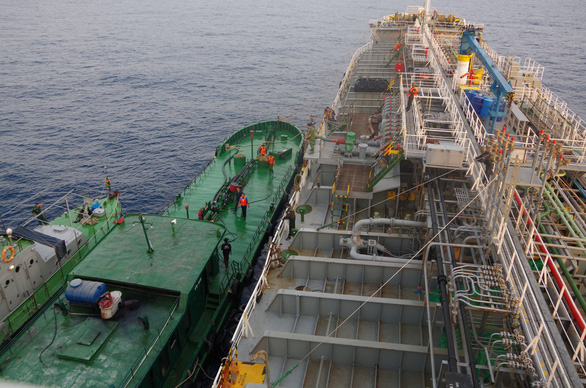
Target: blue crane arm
501,87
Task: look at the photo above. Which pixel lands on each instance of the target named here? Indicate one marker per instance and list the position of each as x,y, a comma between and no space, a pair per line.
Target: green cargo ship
161,278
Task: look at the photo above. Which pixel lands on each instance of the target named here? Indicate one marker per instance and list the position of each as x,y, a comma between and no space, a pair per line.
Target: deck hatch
87,339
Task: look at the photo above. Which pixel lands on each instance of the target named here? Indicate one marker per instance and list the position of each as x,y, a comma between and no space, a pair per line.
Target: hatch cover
87,339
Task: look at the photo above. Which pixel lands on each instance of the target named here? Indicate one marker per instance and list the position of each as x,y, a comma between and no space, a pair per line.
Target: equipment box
446,155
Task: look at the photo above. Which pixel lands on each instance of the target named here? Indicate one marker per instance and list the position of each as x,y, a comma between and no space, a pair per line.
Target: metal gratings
462,197
353,176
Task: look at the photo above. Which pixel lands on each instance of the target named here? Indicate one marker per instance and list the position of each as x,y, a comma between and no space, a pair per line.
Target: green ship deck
89,351
264,191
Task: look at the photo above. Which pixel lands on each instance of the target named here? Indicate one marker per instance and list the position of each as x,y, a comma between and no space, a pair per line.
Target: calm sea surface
149,88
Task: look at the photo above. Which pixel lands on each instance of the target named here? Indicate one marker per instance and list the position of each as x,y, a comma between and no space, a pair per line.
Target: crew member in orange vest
271,164
412,93
243,204
263,150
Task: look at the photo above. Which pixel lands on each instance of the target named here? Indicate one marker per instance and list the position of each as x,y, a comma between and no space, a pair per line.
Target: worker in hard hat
411,94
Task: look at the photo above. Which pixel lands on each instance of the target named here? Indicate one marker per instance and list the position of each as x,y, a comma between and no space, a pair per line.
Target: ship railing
533,68
384,22
23,208
415,137
474,121
540,344
511,66
262,227
478,175
568,317
460,132
437,24
558,107
349,73
526,92
392,19
550,113
456,120
570,132
574,150
499,60
438,53
413,35
54,204
243,328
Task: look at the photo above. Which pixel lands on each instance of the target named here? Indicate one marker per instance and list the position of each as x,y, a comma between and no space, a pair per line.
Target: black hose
53,340
442,281
224,166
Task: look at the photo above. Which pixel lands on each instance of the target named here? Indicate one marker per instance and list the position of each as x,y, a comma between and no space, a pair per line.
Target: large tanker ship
440,227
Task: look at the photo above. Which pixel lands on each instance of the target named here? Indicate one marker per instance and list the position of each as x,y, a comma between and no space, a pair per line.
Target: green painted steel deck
175,280
174,264
264,191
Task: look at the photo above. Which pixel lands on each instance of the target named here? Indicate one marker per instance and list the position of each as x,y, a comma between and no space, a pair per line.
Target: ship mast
427,10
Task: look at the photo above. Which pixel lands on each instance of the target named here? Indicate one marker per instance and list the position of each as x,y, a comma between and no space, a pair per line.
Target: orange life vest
263,150
271,159
412,92
243,201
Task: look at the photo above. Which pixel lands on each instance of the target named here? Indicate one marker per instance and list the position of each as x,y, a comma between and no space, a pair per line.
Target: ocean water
149,88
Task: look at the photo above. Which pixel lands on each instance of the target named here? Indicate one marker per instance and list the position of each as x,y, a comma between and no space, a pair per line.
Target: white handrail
348,74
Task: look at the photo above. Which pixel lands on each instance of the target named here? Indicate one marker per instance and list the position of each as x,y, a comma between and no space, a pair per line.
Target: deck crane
500,87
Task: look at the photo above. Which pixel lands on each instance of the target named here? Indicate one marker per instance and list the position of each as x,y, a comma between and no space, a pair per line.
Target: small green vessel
142,307
38,254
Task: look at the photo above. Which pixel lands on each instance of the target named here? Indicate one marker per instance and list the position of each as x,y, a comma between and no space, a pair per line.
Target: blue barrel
477,101
486,106
84,292
470,93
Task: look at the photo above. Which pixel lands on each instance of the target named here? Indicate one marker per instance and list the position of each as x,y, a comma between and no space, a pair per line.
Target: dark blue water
149,88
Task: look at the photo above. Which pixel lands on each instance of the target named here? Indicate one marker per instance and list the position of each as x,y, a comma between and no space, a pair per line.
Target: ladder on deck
339,208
